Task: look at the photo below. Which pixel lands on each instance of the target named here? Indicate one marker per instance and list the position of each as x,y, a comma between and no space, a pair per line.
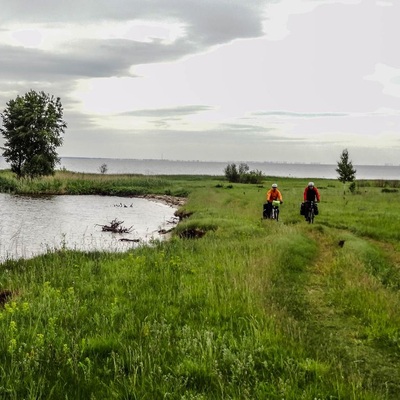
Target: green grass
254,309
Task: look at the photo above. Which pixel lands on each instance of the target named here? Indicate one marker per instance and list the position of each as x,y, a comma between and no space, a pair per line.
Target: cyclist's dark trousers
306,207
267,210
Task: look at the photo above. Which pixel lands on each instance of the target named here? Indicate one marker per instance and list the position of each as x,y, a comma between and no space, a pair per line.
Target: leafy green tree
231,173
345,168
243,169
32,127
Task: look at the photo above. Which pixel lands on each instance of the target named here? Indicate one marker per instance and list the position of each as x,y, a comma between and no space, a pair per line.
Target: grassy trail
338,333
251,309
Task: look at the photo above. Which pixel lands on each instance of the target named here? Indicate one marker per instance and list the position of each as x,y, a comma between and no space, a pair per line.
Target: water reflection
34,225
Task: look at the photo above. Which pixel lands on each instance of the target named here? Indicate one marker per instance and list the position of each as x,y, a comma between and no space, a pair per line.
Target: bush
243,175
255,177
7,185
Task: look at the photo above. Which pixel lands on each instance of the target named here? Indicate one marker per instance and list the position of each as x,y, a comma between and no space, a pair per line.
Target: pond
34,225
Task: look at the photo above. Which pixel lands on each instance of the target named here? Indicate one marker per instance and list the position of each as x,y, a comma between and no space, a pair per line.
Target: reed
253,309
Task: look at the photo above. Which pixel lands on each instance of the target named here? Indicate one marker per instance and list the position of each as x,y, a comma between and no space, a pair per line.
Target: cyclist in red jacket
311,193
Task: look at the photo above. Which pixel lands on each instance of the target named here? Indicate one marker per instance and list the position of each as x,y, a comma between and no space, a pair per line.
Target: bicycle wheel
277,214
311,215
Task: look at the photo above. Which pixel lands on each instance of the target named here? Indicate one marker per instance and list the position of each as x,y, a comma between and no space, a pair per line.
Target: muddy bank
170,200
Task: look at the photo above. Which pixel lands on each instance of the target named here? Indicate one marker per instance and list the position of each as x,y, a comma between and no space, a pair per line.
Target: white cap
274,185
310,183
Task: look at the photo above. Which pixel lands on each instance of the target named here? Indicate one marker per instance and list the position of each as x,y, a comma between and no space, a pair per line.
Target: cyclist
311,193
272,194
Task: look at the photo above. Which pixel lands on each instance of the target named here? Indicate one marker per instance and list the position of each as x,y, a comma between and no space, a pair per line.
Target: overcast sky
212,80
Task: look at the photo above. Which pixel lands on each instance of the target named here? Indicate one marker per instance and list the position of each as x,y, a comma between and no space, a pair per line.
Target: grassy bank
253,309
77,183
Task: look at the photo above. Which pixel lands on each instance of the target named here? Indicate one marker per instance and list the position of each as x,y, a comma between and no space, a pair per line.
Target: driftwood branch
115,226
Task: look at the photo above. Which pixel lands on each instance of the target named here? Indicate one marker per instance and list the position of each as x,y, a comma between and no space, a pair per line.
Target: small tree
243,169
231,173
345,168
103,168
32,128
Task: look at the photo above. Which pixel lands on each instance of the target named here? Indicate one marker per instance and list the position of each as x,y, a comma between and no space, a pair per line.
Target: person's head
310,185
274,186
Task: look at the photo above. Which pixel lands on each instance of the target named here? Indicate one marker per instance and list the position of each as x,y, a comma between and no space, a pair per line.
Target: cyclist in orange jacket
272,194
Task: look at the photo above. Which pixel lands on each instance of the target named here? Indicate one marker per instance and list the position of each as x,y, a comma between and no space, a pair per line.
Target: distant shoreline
269,169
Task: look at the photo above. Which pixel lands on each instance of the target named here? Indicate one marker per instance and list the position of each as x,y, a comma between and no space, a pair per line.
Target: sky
212,80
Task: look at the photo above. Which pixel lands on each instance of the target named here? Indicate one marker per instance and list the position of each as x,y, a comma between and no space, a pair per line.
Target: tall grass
254,309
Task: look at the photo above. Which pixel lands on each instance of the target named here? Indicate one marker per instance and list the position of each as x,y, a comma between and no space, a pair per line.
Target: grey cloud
207,22
88,58
240,128
168,112
298,114
219,22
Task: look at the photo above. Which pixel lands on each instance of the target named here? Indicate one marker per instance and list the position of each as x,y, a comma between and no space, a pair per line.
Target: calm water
168,167
34,225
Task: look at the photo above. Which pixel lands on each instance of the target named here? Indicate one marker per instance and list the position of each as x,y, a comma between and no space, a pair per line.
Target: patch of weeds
181,192
194,230
183,214
319,228
387,190
192,233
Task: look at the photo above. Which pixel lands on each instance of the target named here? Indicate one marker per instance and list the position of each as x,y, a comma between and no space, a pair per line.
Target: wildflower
13,327
12,345
39,340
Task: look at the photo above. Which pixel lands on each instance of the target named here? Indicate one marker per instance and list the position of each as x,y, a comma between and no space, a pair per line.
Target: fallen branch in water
115,227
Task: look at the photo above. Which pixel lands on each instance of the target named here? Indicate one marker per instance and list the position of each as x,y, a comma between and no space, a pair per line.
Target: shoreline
172,201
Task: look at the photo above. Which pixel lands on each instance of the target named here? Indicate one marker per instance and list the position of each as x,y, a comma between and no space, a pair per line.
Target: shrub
243,174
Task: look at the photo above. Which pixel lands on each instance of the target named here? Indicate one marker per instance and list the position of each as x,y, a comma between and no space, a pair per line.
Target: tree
103,168
231,173
345,168
243,168
33,128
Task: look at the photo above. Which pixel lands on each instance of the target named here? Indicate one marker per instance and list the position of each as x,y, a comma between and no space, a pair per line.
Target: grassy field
252,309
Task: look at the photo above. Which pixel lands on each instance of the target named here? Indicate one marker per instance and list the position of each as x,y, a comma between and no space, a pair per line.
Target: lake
216,168
34,225
176,167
